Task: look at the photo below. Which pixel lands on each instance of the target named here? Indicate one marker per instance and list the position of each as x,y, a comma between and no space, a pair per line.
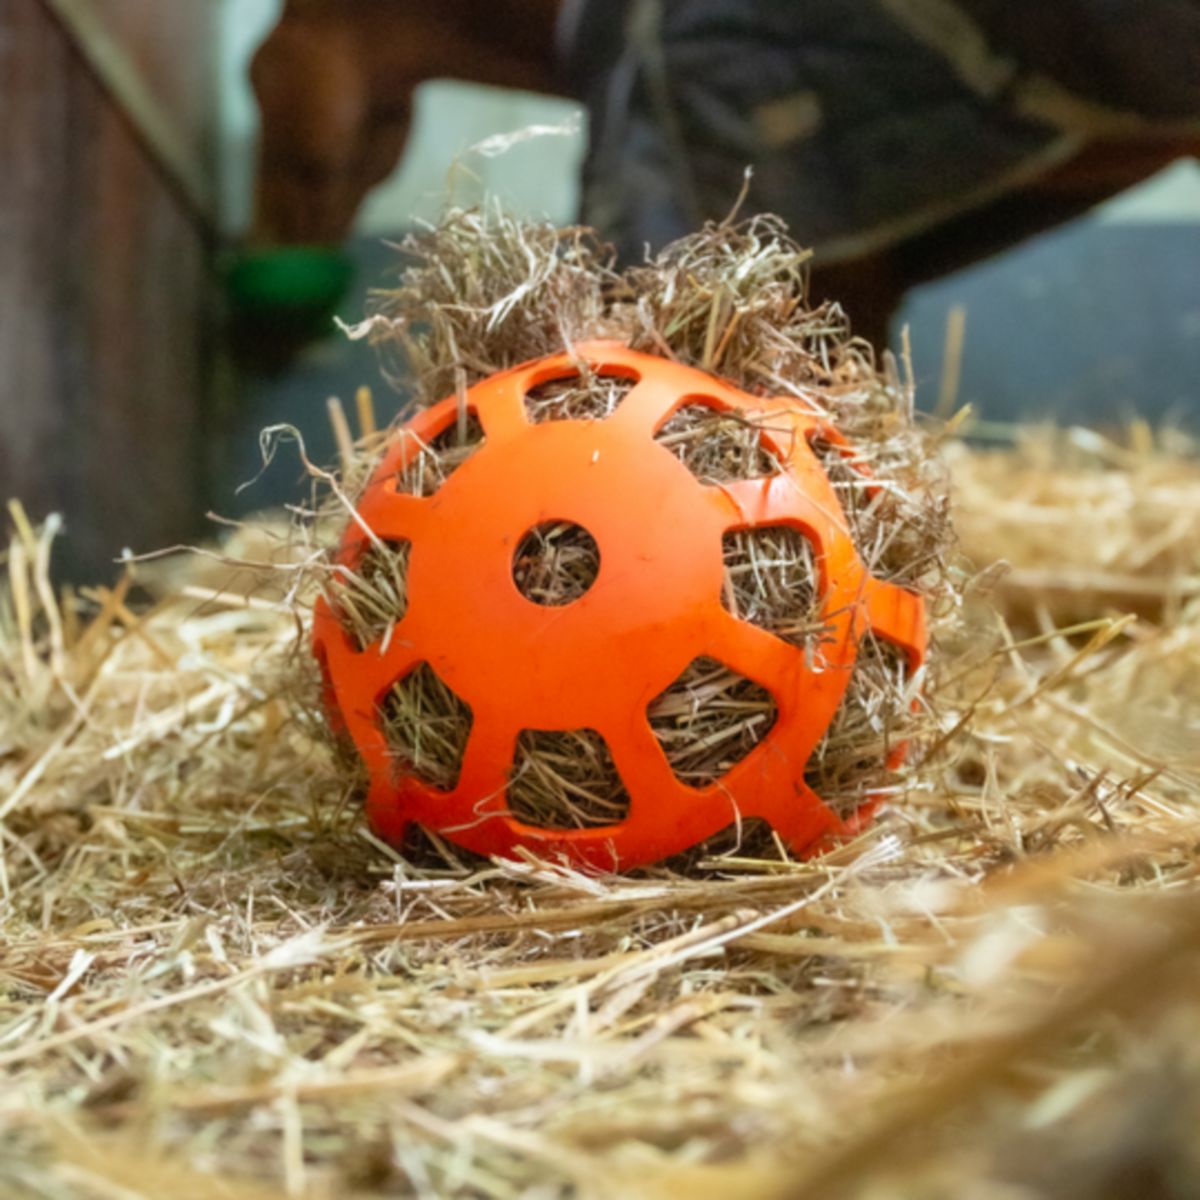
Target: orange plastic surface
599,662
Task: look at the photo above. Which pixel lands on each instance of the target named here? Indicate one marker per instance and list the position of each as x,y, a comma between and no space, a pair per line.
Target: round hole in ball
555,563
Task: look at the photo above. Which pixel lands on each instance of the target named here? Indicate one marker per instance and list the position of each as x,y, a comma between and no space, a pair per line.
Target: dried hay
483,292
216,983
373,597
434,463
1141,511
566,780
426,726
556,563
585,397
717,447
709,719
770,581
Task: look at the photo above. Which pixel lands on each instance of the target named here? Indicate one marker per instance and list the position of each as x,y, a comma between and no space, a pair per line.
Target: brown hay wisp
426,726
435,462
717,447
584,397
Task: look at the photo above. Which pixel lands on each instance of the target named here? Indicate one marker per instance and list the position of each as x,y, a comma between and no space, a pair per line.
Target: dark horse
901,138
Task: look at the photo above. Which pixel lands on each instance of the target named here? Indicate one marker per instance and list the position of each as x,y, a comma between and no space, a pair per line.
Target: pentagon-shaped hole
718,446
426,726
555,563
771,580
740,846
850,762
709,719
583,397
565,780
371,597
441,456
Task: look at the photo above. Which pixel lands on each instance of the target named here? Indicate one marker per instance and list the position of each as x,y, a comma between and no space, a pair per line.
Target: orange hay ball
600,661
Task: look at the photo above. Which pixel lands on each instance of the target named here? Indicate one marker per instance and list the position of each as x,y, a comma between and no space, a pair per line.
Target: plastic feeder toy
516,666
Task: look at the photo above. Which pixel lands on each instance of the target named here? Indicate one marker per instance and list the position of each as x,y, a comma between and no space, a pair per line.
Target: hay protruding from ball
771,581
481,293
583,397
371,599
435,462
717,447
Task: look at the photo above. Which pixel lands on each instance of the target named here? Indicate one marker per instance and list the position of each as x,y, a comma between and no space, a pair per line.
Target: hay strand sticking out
877,713
483,292
732,299
901,535
372,598
771,580
436,461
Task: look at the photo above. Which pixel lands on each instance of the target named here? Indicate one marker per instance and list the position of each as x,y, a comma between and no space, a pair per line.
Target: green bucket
289,289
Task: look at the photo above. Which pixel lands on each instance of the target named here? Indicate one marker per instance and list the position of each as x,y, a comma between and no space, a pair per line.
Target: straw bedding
216,984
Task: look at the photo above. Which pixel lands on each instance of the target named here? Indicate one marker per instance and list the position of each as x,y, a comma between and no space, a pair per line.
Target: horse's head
335,82
326,136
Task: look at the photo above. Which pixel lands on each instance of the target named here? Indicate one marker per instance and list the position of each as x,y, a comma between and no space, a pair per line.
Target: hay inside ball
616,636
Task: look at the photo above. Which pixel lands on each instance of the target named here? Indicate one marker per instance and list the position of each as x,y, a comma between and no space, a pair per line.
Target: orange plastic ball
600,661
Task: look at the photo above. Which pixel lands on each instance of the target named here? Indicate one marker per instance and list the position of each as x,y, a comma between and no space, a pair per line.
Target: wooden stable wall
103,272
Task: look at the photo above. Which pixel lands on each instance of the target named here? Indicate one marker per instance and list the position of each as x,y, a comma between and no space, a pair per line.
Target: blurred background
169,274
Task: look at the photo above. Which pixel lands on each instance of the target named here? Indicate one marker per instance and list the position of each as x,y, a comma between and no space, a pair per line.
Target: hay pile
213,982
483,292
1140,553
